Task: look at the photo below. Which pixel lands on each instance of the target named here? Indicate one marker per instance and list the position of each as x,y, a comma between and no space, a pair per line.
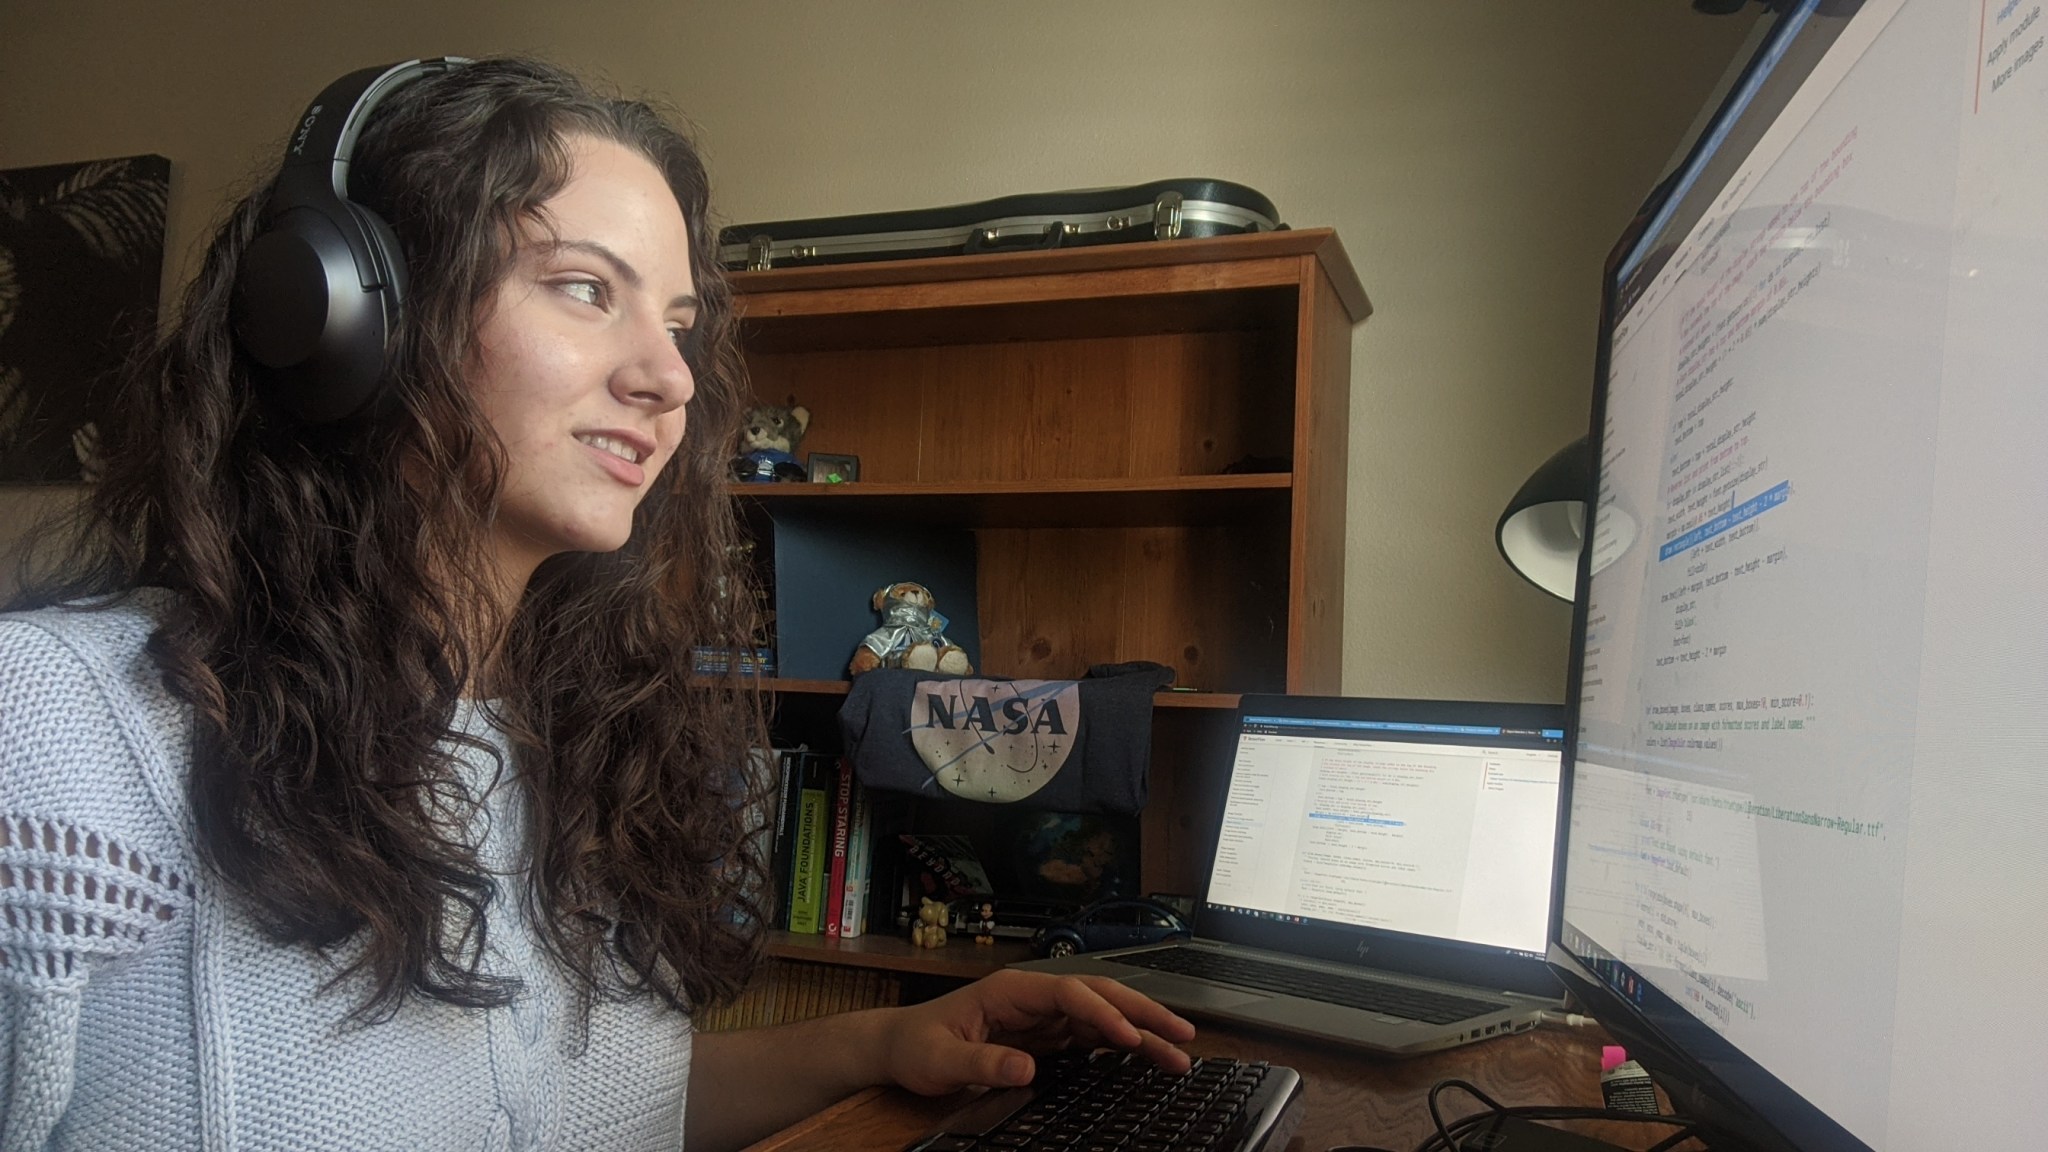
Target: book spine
867,865
806,871
853,917
787,787
842,827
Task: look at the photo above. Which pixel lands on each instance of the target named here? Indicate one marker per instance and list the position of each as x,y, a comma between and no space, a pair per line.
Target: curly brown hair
332,601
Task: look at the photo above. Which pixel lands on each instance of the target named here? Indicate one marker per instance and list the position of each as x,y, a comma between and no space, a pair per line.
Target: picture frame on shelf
828,468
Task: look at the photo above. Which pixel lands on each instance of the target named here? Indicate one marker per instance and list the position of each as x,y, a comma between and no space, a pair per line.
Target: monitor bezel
1707,1077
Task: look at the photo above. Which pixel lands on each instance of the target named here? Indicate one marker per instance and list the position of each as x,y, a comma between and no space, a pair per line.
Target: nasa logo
995,741
980,713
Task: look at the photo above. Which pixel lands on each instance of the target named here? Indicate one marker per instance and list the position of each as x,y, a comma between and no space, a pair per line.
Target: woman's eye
683,338
588,291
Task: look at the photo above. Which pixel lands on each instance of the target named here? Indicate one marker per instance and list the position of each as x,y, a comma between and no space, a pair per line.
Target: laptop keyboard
1349,991
1115,1102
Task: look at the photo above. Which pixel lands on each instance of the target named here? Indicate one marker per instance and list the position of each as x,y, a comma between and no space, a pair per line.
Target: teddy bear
929,930
768,440
912,635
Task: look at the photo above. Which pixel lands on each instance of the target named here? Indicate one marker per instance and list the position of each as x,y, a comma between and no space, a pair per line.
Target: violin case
1162,210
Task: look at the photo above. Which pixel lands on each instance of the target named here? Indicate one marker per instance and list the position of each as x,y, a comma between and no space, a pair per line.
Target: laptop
1382,877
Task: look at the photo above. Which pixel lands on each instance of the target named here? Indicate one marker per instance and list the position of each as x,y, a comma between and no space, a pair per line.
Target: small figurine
930,929
985,928
912,635
768,443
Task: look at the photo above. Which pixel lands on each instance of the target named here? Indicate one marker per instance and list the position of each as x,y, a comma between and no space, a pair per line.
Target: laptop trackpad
1180,993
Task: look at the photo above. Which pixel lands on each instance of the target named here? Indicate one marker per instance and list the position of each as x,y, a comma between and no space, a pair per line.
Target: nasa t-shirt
1063,745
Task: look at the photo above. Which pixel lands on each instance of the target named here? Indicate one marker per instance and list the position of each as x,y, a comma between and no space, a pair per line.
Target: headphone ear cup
300,311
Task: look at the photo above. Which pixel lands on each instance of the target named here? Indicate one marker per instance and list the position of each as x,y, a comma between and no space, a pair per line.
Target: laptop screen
1435,829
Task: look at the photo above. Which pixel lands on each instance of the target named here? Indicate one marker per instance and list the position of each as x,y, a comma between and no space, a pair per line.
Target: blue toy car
1116,922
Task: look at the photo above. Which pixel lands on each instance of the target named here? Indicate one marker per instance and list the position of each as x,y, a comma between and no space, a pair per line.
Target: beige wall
1476,156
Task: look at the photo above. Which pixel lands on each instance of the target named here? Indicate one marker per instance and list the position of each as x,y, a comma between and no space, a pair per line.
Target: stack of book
708,661
823,858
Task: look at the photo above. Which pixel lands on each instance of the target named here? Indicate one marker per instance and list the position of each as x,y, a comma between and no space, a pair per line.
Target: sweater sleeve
75,890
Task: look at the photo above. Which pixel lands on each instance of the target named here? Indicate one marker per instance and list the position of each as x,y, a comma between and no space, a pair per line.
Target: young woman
354,790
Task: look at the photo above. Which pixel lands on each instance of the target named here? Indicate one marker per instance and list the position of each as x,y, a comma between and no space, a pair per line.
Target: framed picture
81,250
829,469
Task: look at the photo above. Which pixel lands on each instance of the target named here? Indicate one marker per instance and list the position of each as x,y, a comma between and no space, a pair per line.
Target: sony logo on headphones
305,129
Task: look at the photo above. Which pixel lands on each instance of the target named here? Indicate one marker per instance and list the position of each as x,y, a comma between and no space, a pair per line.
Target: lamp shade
1544,527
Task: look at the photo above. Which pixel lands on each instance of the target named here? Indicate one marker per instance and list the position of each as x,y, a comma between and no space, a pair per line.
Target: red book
842,821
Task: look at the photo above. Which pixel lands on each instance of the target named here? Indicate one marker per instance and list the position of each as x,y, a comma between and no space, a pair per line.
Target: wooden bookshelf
1149,444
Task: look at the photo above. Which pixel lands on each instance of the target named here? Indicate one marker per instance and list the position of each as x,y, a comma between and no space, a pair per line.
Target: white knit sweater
139,1009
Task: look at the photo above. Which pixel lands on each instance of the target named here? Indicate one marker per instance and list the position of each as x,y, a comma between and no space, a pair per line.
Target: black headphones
318,291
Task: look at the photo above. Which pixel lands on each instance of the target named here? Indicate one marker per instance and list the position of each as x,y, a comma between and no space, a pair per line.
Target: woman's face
578,365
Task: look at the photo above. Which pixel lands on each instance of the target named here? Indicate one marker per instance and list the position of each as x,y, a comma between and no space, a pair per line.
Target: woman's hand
980,1034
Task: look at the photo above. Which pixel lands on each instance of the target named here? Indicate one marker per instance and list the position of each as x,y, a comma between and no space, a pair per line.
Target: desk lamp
1543,529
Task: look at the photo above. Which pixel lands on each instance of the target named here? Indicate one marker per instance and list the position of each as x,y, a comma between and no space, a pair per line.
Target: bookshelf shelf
1171,501
1226,701
807,687
1114,292
960,959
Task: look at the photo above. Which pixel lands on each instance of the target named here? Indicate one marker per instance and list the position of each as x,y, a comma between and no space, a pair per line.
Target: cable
1673,1140
1460,1127
1565,1019
1437,1117
1447,1134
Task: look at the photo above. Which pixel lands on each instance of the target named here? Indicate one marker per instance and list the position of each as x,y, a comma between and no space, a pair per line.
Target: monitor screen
1808,772
1440,830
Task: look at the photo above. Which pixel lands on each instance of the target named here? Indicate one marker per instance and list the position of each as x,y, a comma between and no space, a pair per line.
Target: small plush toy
930,929
985,928
768,443
912,635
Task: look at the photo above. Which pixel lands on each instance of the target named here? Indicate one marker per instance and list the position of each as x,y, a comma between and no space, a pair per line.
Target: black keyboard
1308,983
1114,1102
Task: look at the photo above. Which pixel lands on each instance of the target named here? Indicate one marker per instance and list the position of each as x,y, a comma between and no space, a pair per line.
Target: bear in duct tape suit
912,635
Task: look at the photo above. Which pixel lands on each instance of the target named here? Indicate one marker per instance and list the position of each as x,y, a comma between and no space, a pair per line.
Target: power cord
1448,1132
1566,1019
1672,1141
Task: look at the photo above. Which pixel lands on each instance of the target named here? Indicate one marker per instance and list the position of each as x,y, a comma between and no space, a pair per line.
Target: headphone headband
325,138
319,291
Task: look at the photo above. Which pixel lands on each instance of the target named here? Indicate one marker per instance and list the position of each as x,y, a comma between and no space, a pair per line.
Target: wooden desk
1349,1099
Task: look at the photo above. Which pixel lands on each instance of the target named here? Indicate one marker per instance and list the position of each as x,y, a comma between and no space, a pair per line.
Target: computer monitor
1805,876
